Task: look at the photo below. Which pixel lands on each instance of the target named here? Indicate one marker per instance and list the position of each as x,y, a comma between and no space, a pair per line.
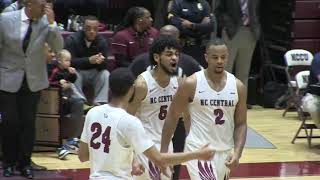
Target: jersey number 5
219,115
96,129
163,112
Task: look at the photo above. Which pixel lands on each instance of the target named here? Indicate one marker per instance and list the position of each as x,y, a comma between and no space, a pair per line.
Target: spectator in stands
311,101
193,19
187,65
239,26
63,75
23,72
157,8
134,36
89,53
14,6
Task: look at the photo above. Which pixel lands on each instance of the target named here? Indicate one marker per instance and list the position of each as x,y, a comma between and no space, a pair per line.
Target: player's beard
167,71
219,71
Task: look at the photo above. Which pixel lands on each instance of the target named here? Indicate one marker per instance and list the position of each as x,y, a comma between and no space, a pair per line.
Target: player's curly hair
160,44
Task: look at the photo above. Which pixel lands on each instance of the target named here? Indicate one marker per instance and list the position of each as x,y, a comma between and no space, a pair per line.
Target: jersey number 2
219,115
96,129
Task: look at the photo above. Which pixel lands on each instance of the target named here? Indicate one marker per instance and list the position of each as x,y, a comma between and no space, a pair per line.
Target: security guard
193,19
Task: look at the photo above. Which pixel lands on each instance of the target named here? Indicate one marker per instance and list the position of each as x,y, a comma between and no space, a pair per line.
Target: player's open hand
232,162
206,153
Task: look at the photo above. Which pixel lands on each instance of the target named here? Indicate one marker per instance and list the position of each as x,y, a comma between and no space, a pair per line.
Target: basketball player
217,107
111,135
156,89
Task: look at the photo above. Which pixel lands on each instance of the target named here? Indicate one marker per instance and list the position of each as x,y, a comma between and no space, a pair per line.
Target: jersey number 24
96,129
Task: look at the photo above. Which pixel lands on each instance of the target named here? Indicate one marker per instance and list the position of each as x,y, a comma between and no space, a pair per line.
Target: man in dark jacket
89,57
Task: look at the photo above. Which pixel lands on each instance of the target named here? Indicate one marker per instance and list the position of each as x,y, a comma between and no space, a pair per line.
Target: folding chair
301,85
297,60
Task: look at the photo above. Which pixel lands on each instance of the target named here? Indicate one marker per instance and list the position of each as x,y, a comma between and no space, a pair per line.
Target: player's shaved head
215,42
170,30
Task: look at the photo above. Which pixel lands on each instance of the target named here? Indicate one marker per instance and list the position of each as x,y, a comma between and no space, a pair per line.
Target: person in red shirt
133,36
64,76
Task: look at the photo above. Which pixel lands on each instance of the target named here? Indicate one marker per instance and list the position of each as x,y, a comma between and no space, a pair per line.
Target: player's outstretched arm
163,160
179,105
240,130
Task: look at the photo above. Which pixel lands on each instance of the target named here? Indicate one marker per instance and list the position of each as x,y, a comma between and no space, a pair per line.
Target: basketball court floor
269,154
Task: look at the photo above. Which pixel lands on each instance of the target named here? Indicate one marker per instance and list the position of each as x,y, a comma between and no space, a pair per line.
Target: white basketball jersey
212,114
155,106
109,158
